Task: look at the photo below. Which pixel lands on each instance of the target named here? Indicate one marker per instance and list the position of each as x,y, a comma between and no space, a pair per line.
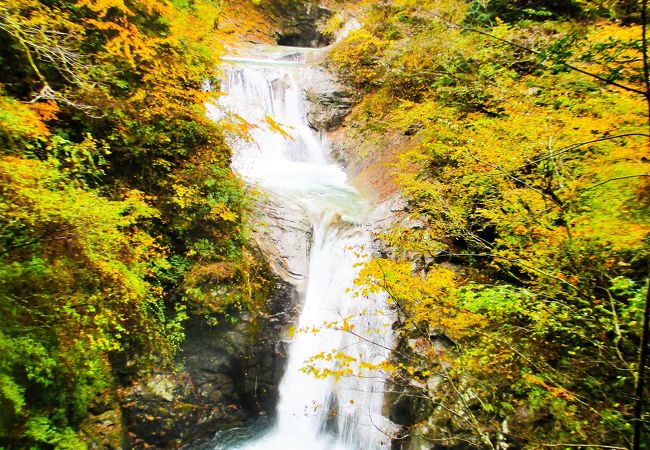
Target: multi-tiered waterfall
312,413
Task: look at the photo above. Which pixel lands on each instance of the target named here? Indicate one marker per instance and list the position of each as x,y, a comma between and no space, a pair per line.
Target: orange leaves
46,110
24,121
127,43
101,7
128,8
239,126
242,128
243,20
211,273
190,31
556,392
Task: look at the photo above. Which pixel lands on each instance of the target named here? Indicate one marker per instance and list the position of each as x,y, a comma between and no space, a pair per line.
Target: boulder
283,234
168,411
329,102
229,376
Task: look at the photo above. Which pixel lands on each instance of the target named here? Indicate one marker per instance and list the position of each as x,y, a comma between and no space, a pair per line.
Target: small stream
312,413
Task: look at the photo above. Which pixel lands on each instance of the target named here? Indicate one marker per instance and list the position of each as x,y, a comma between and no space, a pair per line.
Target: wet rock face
329,102
295,37
168,411
230,375
327,110
103,430
241,364
283,235
301,23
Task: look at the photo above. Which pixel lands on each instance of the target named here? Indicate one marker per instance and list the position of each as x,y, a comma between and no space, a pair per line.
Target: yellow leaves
422,298
127,43
189,197
220,211
101,7
184,196
195,30
384,366
334,24
397,278
278,128
338,364
357,57
137,195
347,326
604,35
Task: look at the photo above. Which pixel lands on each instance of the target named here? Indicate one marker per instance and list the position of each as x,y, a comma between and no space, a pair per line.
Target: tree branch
538,53
641,175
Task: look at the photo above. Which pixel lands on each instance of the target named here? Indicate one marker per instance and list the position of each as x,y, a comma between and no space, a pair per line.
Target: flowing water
312,413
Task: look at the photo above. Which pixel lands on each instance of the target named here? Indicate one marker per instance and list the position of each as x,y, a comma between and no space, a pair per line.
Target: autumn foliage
519,283
119,214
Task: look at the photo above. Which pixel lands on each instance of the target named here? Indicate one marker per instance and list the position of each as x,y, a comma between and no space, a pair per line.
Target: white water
313,414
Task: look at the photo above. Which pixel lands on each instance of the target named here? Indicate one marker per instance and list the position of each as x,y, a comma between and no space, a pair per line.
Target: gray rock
301,23
167,411
329,102
230,376
283,234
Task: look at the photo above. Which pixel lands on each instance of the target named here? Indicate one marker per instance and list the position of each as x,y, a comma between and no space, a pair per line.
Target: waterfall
312,413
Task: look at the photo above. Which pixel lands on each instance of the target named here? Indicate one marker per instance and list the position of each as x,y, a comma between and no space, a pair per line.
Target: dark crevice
302,28
309,38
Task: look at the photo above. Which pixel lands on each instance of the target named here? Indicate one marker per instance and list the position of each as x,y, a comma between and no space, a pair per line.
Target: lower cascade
325,401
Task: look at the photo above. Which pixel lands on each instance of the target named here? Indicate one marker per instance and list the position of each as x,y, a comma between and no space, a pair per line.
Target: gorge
324,224
292,168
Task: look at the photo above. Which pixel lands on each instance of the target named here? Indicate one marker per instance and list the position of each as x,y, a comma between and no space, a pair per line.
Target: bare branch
585,446
642,175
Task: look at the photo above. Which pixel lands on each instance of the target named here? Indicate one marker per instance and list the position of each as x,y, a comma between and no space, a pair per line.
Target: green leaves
117,203
487,12
526,182
84,295
42,431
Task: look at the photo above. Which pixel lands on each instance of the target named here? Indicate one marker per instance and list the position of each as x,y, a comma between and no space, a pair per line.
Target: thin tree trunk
640,382
644,50
645,331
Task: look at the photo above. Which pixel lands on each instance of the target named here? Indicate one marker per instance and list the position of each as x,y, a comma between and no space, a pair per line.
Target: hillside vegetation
119,215
520,133
520,293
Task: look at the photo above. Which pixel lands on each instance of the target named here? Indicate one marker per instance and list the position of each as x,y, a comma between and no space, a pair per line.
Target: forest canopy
119,213
518,134
516,131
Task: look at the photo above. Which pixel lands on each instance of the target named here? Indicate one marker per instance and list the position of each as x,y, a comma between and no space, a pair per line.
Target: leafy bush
519,294
116,191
